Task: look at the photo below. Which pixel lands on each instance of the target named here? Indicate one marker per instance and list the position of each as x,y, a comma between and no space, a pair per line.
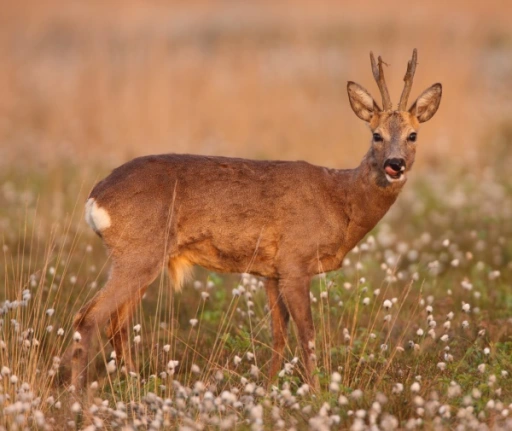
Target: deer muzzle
394,168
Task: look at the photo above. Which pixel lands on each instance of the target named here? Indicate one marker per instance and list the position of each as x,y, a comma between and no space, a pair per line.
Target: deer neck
370,194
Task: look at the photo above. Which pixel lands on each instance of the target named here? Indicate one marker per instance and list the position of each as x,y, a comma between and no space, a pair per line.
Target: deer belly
233,256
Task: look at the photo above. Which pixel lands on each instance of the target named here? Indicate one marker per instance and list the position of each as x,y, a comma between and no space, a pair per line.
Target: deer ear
362,103
426,105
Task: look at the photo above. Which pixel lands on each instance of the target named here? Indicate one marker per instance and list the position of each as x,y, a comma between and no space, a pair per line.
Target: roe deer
285,221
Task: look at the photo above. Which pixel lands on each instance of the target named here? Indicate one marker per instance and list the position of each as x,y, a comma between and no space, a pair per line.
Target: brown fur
285,221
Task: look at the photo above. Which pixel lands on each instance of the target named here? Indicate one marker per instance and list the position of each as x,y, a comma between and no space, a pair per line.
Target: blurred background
97,83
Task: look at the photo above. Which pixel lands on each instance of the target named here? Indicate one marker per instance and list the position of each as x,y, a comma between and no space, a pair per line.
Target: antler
378,74
409,75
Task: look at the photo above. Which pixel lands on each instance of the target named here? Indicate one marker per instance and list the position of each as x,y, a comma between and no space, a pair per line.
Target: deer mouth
394,173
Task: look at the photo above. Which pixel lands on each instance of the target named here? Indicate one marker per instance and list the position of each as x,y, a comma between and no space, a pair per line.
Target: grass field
414,332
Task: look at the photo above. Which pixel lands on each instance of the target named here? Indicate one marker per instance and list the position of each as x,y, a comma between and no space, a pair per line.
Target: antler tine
378,74
409,75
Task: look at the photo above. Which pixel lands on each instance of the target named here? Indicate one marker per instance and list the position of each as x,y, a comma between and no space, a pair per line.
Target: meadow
415,330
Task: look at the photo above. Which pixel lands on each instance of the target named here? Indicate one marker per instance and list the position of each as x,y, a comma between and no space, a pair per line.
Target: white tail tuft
96,217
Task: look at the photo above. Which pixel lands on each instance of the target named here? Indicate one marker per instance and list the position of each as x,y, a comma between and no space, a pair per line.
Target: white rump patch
96,217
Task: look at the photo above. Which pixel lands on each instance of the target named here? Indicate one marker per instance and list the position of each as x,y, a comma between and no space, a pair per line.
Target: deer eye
412,137
377,137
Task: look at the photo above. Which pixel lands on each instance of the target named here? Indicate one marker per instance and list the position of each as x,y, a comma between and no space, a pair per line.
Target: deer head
394,132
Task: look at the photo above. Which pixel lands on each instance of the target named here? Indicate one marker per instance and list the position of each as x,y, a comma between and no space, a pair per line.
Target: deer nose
396,165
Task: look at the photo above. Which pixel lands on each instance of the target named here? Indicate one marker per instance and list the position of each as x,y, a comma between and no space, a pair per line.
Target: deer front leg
295,292
280,316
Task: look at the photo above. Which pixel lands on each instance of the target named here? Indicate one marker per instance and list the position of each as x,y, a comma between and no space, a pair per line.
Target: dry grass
414,332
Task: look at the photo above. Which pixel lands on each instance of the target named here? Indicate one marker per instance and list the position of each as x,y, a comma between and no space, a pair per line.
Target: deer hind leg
295,292
127,279
180,269
280,317
119,328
